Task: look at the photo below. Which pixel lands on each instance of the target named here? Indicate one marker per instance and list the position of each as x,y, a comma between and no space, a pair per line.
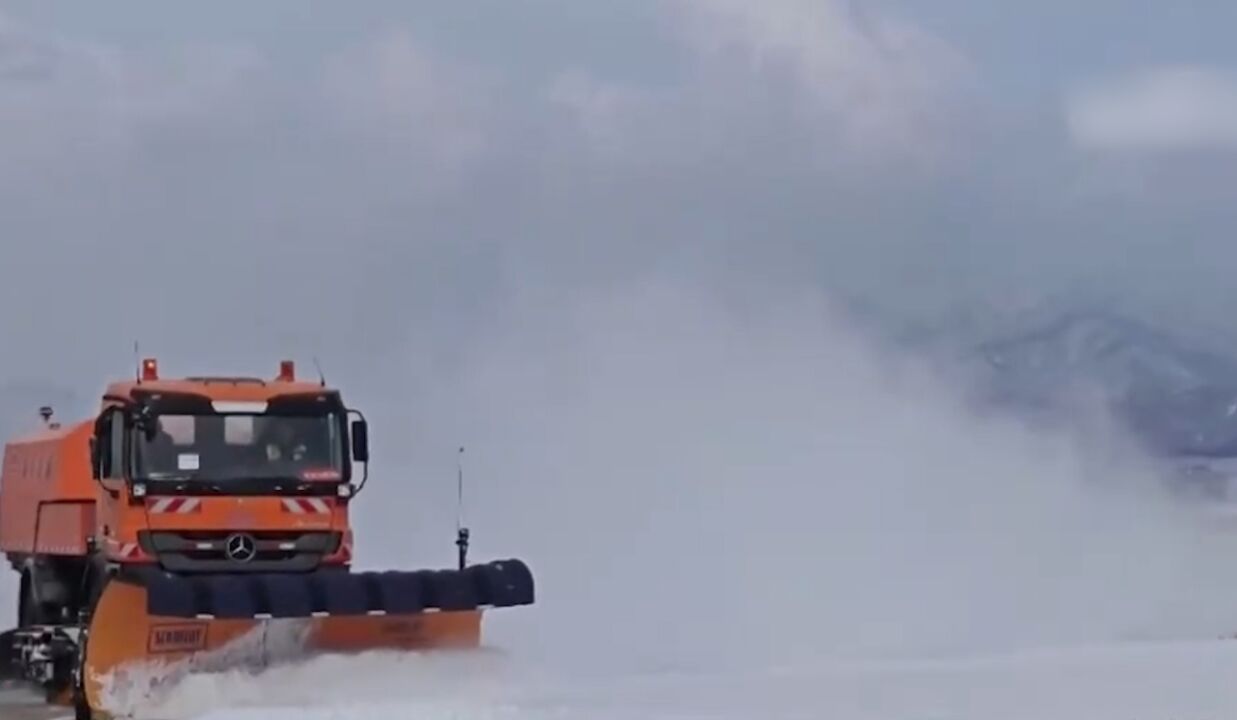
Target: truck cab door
107,451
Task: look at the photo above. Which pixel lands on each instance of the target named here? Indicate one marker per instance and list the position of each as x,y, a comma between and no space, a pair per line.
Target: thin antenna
461,532
459,482
137,362
321,375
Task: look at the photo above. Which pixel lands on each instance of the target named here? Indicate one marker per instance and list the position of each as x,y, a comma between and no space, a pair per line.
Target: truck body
190,514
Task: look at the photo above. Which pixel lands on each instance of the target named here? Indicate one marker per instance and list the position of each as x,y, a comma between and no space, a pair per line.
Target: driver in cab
281,444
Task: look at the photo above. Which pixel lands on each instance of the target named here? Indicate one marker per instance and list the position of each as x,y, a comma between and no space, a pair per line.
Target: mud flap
151,629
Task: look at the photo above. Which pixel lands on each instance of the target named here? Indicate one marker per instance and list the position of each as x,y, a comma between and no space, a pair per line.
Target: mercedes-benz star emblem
241,548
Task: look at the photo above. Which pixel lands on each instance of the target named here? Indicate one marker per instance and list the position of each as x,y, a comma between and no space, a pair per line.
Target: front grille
209,535
206,551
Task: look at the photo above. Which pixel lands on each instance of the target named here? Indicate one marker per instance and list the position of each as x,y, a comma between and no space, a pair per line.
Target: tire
94,582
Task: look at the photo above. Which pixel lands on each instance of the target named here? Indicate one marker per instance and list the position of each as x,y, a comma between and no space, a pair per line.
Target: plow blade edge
152,629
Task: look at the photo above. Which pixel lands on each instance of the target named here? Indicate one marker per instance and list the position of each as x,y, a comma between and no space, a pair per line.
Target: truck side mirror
94,457
360,441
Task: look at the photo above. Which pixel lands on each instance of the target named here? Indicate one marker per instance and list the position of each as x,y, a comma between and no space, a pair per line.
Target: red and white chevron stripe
126,551
175,505
306,506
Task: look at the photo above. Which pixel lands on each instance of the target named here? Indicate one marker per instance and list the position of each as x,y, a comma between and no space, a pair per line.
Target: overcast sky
231,183
419,193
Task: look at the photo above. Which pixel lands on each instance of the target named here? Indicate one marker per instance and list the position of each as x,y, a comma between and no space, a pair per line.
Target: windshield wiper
186,481
170,477
240,485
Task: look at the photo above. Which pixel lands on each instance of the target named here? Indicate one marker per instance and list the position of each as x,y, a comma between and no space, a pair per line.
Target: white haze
703,487
506,227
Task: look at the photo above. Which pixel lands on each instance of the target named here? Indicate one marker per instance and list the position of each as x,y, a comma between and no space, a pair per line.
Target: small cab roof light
150,369
287,370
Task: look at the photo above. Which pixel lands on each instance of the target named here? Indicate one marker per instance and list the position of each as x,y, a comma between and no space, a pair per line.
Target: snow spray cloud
696,482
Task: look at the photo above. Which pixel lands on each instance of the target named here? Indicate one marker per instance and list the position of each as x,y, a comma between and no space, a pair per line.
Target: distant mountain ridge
1177,396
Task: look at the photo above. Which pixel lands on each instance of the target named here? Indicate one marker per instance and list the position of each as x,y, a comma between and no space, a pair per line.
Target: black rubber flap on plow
284,596
174,597
504,583
233,597
344,593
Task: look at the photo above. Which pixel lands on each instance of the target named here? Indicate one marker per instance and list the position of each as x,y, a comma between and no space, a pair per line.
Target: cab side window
112,445
103,440
116,446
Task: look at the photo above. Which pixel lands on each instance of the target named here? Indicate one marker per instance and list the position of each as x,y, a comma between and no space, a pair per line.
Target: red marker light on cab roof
287,370
150,369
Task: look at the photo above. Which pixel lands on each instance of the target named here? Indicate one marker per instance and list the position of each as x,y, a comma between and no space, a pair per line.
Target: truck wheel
81,710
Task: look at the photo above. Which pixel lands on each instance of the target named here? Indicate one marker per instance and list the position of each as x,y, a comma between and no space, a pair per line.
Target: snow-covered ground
1165,681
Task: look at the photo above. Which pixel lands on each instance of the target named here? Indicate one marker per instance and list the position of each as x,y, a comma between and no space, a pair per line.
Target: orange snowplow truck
201,524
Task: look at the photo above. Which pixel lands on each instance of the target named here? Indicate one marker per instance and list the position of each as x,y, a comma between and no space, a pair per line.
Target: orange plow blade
147,634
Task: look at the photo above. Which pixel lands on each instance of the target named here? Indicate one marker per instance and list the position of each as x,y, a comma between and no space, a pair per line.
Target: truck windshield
221,448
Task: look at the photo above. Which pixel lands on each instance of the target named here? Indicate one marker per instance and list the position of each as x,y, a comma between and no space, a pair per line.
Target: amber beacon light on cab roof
201,524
